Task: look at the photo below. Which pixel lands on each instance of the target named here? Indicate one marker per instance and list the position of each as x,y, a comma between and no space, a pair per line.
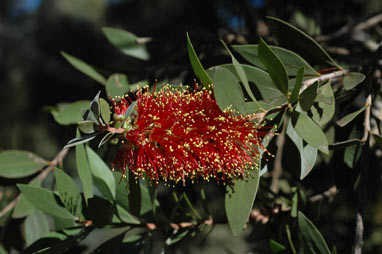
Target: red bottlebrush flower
179,135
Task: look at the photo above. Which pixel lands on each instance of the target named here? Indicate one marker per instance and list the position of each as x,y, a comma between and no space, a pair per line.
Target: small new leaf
81,140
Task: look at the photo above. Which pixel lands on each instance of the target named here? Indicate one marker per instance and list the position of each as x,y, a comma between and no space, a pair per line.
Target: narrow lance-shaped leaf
239,201
290,59
309,131
350,117
196,64
298,83
313,239
84,68
44,200
126,42
17,163
308,96
83,170
298,41
242,77
274,66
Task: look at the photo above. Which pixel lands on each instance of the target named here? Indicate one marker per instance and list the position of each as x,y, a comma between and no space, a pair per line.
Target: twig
366,129
358,235
277,169
330,194
44,173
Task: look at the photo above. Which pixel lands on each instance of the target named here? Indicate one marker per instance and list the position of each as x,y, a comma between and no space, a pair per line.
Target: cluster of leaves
278,84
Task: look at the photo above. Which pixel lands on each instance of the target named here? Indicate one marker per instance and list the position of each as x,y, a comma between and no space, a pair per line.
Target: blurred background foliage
34,75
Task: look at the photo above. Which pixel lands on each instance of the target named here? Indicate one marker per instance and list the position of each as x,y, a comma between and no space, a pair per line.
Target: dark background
33,74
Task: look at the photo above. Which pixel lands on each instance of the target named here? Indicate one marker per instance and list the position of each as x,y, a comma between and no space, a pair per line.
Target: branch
44,173
330,194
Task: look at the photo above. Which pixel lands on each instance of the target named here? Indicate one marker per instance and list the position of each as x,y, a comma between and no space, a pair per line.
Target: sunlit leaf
196,64
35,226
274,66
84,68
17,163
68,113
83,170
324,107
350,117
105,111
117,85
227,90
292,61
352,80
239,201
23,206
126,42
45,200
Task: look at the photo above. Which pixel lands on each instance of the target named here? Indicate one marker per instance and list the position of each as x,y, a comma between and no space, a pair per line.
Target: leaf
309,131
275,246
83,170
352,80
94,106
260,80
45,200
313,239
35,226
23,206
68,191
122,190
378,140
292,61
87,126
343,144
298,83
105,111
68,113
239,201
117,85
105,139
324,107
81,140
125,216
308,96
100,211
84,68
298,41
103,177
134,195
241,74
353,153
350,117
308,154
196,64
274,67
18,163
126,42
130,110
227,90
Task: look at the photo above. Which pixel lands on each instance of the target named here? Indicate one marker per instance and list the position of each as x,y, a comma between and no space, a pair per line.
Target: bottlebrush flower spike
178,135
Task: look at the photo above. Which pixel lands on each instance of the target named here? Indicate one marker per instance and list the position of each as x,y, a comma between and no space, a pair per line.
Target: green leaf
105,111
196,64
81,140
117,85
94,106
352,80
239,201
292,61
350,117
313,239
23,206
227,90
260,80
100,211
125,216
122,190
308,96
308,154
353,153
83,170
324,107
126,42
274,67
378,140
298,83
17,163
84,68
35,226
275,246
68,113
45,200
105,139
309,131
241,74
343,144
298,41
103,177
87,126
68,191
